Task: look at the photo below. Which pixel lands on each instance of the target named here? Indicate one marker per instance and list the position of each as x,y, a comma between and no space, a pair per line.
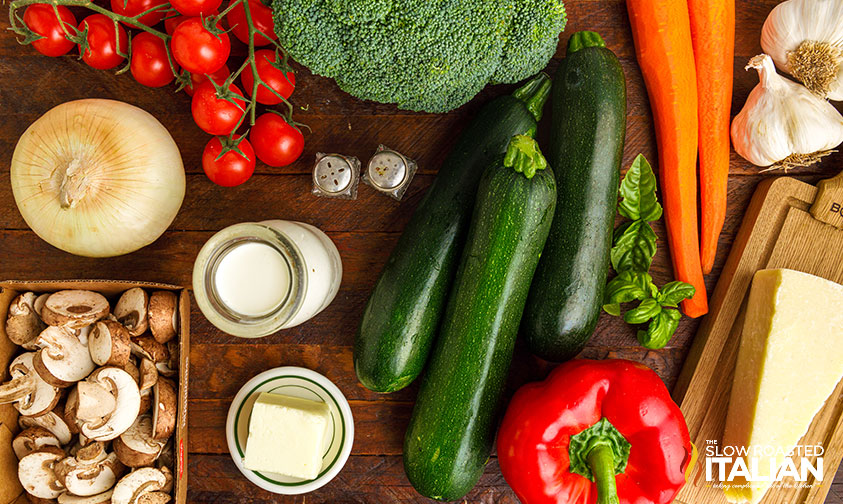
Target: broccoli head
430,55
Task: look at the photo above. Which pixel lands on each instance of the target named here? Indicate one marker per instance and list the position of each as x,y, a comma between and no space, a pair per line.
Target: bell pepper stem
601,459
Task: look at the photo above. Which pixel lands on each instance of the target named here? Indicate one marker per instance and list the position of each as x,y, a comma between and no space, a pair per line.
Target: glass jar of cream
255,278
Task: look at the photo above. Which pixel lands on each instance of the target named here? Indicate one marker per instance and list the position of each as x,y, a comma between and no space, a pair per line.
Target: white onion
97,178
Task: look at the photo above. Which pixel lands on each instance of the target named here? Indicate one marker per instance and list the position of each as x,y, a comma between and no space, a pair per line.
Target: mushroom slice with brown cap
23,324
136,447
163,315
148,374
33,439
164,409
37,475
31,395
123,388
103,498
40,301
132,487
131,311
91,471
146,347
154,498
109,344
74,308
53,421
62,359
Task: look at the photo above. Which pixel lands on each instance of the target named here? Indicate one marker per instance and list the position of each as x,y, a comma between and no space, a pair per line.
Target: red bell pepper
595,431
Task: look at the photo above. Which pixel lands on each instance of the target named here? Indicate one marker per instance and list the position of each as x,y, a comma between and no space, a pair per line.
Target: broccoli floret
430,55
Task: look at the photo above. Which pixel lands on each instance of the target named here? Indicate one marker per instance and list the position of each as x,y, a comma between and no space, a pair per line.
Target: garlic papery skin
97,178
782,123
805,39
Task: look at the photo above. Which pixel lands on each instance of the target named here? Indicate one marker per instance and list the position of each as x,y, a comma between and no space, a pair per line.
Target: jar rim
204,286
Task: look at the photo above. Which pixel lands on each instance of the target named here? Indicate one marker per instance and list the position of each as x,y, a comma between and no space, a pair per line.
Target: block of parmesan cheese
789,361
287,435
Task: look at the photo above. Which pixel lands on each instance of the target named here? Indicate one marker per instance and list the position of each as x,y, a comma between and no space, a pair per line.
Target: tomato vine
182,77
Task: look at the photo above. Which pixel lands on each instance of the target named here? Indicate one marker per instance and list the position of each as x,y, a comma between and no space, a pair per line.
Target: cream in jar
253,279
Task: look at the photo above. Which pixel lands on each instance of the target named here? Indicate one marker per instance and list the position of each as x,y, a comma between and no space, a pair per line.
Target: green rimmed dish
297,382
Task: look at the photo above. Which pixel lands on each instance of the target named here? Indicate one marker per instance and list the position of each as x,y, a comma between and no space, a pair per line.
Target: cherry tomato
276,143
171,23
197,50
41,18
195,79
214,115
149,65
132,8
273,77
196,7
261,19
102,42
231,169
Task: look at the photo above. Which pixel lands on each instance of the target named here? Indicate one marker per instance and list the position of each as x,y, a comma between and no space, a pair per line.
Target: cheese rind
789,362
286,436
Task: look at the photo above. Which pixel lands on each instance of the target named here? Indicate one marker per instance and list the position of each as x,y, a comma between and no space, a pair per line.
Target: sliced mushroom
146,347
53,421
148,374
123,388
37,475
163,315
154,498
103,498
169,482
146,401
23,324
166,459
31,395
91,401
91,471
132,487
165,404
62,359
109,344
131,310
136,447
74,308
33,439
40,301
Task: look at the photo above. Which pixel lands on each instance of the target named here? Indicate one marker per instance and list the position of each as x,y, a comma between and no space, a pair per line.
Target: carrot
713,36
662,33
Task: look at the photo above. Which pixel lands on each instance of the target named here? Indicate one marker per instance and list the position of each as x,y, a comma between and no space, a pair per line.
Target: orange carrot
713,36
662,33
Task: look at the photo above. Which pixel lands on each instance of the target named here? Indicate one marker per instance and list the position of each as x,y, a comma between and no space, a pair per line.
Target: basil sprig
634,246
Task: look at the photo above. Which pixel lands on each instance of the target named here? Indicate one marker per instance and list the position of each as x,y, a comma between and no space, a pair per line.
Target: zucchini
586,147
406,305
452,428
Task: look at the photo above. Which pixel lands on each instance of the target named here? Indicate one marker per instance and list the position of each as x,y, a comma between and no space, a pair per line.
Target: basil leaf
635,248
638,190
675,292
660,330
627,286
648,309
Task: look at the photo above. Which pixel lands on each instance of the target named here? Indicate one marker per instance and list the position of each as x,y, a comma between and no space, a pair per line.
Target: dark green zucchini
406,305
452,428
586,146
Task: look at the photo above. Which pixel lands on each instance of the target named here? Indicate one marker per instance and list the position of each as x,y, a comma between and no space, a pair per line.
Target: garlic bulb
805,39
783,123
97,178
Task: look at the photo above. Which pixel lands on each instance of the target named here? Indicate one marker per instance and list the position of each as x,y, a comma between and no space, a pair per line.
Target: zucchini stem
534,94
523,156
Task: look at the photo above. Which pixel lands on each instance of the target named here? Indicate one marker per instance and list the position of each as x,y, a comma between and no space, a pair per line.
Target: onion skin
97,178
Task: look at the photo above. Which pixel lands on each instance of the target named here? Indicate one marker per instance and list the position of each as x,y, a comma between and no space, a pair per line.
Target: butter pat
789,362
286,436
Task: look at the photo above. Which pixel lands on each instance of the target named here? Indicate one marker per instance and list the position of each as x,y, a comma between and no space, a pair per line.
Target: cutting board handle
828,205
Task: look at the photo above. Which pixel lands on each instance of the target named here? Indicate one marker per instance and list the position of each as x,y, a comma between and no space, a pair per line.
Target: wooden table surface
364,231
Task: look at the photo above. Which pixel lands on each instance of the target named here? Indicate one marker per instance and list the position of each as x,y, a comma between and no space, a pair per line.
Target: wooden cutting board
789,224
